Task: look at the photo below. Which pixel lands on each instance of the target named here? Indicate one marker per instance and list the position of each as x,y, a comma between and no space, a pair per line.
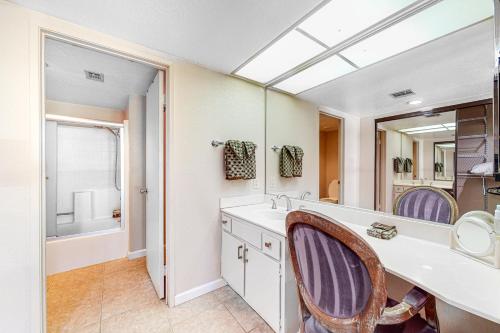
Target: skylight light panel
291,50
420,128
342,19
442,18
324,71
442,129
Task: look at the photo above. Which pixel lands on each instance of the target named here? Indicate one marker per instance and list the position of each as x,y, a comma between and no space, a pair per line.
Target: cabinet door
262,286
232,266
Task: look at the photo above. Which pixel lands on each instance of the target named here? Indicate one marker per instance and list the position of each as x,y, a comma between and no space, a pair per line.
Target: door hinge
164,107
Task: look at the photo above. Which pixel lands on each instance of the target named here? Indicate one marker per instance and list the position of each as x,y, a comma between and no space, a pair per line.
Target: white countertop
443,184
433,266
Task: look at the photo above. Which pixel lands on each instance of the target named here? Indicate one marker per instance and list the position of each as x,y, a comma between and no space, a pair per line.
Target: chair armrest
412,303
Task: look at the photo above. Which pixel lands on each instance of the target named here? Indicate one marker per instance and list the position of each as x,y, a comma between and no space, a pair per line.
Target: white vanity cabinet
254,264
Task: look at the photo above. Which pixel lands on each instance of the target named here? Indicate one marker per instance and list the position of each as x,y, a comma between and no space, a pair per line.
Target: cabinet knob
268,244
224,221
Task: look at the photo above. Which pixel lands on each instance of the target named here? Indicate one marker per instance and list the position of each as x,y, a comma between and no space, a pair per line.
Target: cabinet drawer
247,232
271,246
226,222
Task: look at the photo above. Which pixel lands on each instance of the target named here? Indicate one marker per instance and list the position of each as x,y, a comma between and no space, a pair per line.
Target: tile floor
118,296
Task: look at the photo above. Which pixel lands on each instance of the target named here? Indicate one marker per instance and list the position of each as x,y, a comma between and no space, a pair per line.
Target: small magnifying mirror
475,235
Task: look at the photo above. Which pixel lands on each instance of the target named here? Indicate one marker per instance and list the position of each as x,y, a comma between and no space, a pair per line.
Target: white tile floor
118,297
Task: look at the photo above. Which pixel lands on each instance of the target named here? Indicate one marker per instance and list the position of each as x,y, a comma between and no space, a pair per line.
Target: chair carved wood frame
375,312
449,199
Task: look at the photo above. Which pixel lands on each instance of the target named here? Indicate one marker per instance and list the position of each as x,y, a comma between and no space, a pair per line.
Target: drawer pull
224,221
239,252
268,244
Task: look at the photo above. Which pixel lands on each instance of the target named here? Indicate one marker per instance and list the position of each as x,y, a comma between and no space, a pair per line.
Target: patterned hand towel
234,160
297,166
249,159
287,161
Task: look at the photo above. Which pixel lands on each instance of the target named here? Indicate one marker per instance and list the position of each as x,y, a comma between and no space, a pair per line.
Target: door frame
341,139
135,53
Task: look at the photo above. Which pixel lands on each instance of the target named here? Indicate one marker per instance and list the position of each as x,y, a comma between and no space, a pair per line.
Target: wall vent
94,76
402,93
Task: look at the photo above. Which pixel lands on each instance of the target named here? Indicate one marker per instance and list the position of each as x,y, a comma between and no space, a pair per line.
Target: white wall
290,121
84,111
137,172
208,106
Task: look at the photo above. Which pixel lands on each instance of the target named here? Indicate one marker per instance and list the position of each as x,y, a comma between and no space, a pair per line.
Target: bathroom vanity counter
419,254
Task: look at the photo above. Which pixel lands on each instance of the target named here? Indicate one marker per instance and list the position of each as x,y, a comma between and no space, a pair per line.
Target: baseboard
198,291
136,254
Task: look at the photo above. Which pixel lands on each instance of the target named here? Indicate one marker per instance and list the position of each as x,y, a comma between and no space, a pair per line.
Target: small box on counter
382,231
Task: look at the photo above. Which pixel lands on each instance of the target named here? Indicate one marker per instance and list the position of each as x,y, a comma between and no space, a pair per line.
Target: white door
262,286
232,266
154,184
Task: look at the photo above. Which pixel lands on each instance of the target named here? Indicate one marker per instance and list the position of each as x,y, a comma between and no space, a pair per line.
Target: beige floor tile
126,279
119,300
192,308
74,317
243,313
151,318
215,320
123,264
262,328
223,294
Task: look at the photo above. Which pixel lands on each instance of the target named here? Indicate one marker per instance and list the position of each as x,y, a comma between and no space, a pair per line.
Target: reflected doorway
330,158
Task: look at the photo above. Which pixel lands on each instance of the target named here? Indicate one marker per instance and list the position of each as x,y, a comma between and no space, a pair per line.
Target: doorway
330,158
104,162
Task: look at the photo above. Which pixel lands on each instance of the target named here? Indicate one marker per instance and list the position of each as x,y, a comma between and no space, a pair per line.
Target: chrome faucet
303,195
288,201
274,200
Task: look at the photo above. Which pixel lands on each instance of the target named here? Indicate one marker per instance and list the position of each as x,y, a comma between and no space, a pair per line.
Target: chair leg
431,313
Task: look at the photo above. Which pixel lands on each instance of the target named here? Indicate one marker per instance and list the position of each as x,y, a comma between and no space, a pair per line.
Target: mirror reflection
404,134
444,160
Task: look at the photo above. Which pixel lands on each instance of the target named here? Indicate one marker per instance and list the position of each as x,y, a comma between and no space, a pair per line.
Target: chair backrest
427,203
340,279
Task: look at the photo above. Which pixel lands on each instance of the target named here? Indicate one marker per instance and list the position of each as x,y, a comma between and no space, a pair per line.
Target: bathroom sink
272,214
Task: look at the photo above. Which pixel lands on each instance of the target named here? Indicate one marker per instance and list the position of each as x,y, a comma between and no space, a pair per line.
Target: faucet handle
274,200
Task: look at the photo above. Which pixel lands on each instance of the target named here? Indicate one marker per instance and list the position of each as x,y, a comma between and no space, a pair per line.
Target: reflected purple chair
427,203
341,283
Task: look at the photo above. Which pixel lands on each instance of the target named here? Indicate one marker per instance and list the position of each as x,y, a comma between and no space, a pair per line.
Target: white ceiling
66,82
223,34
219,35
453,69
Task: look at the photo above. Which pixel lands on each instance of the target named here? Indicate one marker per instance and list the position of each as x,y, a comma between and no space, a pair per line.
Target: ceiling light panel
420,128
324,71
442,129
442,18
289,51
342,19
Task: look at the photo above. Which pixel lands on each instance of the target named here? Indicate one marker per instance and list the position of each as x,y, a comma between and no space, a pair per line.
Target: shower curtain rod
82,121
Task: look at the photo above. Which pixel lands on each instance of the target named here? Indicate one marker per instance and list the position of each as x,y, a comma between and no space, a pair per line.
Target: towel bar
217,143
275,148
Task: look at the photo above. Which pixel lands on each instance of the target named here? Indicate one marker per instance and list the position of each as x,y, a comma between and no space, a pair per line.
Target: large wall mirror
428,94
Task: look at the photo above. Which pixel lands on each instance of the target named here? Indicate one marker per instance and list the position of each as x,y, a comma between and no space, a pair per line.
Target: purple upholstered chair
427,203
341,283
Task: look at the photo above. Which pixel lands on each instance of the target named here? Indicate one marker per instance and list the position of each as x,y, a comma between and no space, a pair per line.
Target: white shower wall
86,162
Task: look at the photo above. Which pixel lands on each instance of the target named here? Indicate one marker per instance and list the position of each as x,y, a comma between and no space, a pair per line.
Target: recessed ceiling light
289,51
415,102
